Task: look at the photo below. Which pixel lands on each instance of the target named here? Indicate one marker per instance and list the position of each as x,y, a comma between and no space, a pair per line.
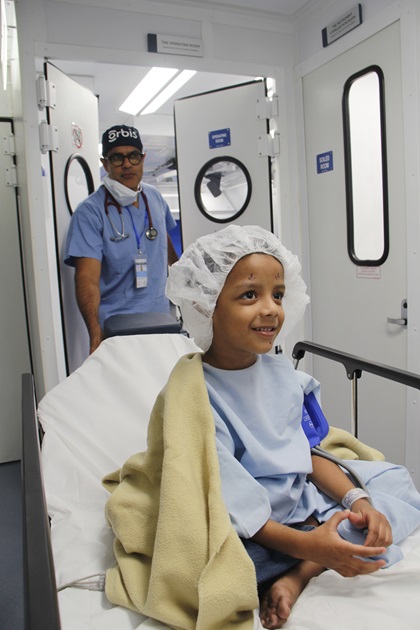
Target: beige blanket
179,559
344,445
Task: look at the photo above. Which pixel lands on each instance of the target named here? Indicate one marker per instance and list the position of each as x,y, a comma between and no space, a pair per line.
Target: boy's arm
330,479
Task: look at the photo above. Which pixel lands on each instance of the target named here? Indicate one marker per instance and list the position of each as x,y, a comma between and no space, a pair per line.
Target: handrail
41,604
355,365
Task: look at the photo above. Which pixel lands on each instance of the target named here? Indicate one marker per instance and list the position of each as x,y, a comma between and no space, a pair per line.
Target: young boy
236,288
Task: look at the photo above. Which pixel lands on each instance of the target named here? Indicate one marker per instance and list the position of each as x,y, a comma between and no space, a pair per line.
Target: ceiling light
170,89
152,83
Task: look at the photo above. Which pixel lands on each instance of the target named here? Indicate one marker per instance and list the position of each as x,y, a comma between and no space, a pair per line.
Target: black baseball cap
121,136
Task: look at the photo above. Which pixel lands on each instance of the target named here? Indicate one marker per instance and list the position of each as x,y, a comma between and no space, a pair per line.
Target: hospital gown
265,457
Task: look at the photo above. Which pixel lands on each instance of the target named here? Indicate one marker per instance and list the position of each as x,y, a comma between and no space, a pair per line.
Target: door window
365,167
223,189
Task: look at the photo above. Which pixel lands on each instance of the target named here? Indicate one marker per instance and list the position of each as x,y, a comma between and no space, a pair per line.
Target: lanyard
138,236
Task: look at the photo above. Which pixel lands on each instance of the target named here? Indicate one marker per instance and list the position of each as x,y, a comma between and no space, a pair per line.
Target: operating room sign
219,138
324,162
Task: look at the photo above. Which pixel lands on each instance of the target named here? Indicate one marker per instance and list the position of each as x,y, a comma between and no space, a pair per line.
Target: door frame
410,50
282,169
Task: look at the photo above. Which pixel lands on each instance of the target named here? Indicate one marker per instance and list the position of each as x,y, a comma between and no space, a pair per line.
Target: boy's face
248,314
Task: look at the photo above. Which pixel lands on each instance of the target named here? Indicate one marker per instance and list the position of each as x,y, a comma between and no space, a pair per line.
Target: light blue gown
265,457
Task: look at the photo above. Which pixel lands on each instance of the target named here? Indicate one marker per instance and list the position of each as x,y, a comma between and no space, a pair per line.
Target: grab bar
354,367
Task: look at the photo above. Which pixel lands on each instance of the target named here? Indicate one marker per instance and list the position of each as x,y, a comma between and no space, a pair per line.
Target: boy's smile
248,314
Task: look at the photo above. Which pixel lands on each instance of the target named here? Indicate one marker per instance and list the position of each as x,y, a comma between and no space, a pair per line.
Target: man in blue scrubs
118,239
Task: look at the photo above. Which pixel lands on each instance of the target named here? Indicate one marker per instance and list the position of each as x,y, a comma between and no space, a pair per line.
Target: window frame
348,168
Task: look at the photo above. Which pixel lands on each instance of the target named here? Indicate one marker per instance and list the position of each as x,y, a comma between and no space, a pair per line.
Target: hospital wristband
353,495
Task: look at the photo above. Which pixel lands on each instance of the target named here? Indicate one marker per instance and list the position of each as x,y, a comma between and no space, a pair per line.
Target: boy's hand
364,516
325,546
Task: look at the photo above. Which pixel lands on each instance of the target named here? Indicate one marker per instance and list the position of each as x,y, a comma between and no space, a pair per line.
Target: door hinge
9,144
48,135
269,144
46,93
268,107
11,177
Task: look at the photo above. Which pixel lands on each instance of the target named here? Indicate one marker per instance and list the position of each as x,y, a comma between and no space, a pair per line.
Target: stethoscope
151,232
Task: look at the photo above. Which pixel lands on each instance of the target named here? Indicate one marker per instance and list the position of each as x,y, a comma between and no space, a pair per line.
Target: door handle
401,321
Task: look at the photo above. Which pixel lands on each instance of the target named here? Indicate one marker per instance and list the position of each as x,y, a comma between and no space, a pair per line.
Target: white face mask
122,195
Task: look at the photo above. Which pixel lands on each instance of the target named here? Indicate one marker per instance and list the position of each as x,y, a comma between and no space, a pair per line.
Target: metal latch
48,136
268,107
269,144
46,93
401,321
9,145
11,177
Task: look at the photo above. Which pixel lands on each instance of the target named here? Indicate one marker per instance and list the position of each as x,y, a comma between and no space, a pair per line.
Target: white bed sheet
94,421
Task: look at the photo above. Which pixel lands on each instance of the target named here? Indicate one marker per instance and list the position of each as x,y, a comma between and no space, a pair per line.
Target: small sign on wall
219,138
368,273
342,25
324,162
174,45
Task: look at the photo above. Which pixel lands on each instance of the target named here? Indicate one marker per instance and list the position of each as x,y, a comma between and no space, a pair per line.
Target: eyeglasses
118,159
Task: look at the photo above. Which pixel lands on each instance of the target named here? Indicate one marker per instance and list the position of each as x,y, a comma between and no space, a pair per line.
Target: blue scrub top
89,236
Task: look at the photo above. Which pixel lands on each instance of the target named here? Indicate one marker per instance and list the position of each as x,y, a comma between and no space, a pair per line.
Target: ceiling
281,8
112,83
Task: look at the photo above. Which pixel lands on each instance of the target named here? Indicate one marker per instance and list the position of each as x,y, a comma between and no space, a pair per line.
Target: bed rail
41,604
354,367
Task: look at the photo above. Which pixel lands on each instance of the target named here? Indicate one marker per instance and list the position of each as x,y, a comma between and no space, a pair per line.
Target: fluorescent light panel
168,91
152,83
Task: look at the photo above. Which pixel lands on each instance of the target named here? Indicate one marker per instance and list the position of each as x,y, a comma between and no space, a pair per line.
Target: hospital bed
89,425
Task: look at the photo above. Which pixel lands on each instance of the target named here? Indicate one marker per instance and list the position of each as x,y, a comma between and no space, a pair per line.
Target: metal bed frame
41,602
40,592
354,367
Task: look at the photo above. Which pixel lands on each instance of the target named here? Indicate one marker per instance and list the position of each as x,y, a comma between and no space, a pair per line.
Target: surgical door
350,302
223,151
74,160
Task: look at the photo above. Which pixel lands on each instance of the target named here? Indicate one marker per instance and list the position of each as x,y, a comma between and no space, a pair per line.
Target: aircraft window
365,167
78,181
223,189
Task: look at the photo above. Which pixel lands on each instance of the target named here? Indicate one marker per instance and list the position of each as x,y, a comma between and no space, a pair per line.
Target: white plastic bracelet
353,495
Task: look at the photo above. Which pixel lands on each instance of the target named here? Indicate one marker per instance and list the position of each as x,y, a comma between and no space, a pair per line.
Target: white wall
310,24
37,223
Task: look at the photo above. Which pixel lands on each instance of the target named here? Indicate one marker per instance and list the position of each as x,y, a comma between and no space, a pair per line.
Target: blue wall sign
324,162
219,138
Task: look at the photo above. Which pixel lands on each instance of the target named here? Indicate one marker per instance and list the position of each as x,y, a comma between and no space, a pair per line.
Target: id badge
141,271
